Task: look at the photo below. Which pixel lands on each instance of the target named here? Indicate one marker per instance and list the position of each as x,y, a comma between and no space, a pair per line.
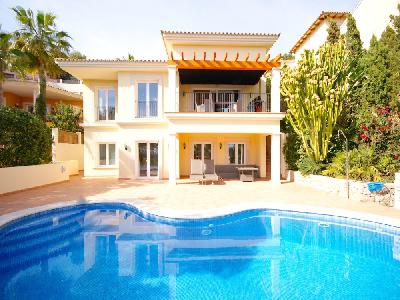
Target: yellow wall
254,149
15,100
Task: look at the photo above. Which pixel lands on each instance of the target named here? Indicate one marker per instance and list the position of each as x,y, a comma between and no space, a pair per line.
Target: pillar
276,158
172,158
172,89
35,94
54,135
275,90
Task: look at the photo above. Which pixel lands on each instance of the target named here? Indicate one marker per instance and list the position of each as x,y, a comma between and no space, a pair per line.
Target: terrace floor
195,199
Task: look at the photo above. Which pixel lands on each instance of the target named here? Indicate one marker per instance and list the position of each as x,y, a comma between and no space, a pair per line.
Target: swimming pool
113,251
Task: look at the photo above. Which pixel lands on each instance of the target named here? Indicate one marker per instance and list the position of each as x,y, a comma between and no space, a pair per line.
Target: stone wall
358,190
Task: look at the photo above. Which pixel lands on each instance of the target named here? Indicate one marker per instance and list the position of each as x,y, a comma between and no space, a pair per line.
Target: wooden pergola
211,63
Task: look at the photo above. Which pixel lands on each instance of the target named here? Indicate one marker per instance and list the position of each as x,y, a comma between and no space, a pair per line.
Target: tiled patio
185,196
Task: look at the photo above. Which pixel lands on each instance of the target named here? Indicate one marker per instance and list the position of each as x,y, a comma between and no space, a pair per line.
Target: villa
209,101
22,92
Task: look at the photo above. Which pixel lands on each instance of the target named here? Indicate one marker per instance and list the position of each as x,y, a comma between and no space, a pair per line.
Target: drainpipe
347,163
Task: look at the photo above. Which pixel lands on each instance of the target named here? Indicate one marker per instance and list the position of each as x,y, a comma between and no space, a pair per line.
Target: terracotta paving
154,195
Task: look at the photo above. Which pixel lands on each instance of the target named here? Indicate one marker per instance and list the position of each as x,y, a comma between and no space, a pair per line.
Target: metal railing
147,109
226,101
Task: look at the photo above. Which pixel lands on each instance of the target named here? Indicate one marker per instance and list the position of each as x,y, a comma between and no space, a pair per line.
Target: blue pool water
112,251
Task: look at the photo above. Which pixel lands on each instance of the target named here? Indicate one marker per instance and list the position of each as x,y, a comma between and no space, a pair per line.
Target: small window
106,104
107,155
147,99
236,154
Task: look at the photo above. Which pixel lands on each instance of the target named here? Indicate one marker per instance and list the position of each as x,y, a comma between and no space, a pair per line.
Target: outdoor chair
209,170
380,193
196,170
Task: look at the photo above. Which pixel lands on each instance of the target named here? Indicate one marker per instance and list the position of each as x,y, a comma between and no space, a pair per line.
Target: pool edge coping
210,212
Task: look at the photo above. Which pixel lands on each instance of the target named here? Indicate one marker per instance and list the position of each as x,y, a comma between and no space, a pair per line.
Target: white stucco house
371,17
149,119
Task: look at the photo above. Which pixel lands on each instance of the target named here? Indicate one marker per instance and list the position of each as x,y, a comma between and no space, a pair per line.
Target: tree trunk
40,106
2,102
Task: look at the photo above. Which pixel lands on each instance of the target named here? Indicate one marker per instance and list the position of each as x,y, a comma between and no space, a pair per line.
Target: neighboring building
148,119
23,92
317,33
372,17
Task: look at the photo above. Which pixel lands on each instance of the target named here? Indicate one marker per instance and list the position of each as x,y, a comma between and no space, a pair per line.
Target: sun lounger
196,170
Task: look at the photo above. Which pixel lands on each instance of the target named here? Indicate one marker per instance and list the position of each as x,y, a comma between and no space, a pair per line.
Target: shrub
307,166
362,165
292,146
66,118
24,138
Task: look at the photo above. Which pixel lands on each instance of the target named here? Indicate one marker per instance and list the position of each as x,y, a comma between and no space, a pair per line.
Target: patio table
247,173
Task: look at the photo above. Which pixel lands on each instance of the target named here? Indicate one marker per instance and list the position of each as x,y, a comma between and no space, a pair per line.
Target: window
106,154
147,100
236,154
106,104
202,151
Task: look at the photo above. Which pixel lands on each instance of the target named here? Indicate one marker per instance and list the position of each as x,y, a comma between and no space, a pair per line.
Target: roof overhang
256,122
322,17
170,38
86,69
25,88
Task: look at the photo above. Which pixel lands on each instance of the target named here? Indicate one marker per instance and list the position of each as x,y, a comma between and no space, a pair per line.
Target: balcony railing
147,109
217,101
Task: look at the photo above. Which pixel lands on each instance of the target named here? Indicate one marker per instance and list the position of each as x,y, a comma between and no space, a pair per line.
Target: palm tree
40,41
5,59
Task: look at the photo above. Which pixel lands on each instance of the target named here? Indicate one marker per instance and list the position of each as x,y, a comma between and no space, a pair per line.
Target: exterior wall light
220,146
184,146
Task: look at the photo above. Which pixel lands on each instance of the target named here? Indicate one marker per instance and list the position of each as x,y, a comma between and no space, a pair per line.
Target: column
54,135
275,90
276,158
172,158
172,91
35,94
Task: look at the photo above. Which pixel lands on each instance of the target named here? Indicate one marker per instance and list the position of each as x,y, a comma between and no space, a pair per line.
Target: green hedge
24,138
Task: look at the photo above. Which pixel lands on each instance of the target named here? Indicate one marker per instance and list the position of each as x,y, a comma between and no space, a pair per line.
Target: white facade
317,37
156,127
372,18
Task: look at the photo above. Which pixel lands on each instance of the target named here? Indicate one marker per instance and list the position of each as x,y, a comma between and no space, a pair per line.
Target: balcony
225,102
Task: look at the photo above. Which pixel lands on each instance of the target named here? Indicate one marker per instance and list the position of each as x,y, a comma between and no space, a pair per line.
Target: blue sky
112,28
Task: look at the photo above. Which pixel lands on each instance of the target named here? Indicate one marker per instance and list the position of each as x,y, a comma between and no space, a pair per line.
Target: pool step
45,239
27,259
44,221
43,230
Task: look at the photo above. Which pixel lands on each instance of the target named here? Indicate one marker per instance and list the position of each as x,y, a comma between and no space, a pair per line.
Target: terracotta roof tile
324,15
218,33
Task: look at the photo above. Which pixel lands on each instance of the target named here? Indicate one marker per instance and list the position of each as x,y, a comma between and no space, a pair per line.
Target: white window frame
107,165
148,142
236,152
107,88
202,149
147,82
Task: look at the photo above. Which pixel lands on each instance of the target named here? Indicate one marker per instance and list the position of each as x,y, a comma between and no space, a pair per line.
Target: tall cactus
315,92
